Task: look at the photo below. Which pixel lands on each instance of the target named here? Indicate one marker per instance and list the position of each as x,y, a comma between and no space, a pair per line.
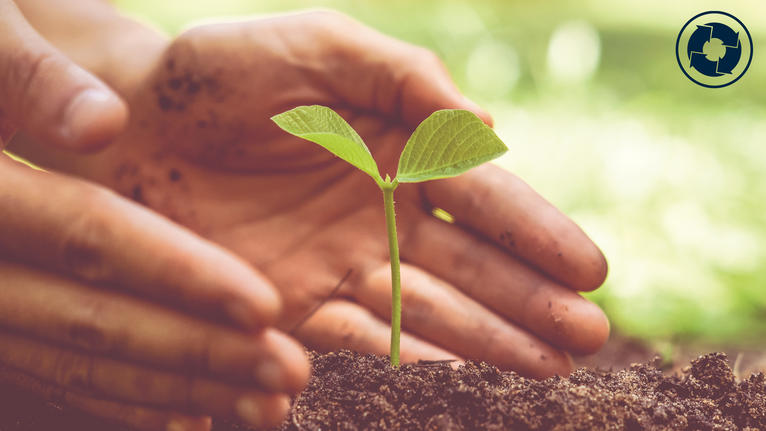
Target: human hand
130,317
498,285
106,306
49,96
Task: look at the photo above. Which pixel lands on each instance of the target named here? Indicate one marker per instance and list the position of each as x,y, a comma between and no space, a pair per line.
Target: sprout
447,143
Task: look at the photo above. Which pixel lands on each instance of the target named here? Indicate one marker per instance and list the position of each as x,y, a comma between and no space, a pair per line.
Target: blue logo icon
714,49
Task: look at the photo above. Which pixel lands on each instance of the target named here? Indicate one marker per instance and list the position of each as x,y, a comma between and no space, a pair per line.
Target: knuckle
24,67
86,330
74,370
81,252
492,345
87,335
415,286
329,16
427,58
469,265
348,333
186,50
196,355
411,235
476,201
181,54
333,27
7,128
193,36
178,265
195,394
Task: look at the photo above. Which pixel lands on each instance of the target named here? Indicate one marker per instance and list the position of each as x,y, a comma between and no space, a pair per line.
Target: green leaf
323,126
447,143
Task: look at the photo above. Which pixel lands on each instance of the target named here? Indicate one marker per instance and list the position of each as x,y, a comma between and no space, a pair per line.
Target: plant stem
396,283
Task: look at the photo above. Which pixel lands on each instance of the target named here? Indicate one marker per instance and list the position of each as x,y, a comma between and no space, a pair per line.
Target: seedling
447,143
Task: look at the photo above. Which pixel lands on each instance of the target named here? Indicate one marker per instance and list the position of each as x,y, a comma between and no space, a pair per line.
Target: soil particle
126,169
180,89
174,83
193,87
507,238
174,175
164,102
138,193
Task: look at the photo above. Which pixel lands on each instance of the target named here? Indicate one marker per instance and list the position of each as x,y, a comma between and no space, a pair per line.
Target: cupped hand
105,305
115,306
499,284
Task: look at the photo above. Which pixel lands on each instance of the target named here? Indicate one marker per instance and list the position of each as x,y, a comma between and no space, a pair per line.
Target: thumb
49,97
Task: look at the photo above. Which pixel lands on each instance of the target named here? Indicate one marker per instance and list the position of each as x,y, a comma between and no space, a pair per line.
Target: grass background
668,177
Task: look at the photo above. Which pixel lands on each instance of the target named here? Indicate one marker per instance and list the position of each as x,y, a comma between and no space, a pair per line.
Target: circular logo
714,49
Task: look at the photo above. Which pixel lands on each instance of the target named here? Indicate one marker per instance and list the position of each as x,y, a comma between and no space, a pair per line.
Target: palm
301,216
304,228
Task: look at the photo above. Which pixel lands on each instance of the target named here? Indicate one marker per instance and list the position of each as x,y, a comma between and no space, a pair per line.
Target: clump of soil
350,391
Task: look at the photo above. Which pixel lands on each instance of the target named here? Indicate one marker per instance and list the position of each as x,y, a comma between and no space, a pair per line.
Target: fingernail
269,374
249,411
83,111
242,314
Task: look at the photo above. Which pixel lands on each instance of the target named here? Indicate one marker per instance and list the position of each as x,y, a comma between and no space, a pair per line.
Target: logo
714,49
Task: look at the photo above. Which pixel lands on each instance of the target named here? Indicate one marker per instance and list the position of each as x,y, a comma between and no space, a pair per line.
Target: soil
351,391
361,392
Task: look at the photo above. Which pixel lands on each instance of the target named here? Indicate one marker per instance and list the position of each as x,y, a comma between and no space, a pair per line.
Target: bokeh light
573,52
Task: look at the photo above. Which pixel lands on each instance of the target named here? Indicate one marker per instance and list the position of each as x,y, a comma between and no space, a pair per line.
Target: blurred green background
668,177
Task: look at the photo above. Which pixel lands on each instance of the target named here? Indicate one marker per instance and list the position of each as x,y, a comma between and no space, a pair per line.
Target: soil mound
350,391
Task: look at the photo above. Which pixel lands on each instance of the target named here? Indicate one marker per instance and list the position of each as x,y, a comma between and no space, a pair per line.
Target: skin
500,284
107,305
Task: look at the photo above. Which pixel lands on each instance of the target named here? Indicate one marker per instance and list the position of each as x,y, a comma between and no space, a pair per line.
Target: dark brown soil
361,392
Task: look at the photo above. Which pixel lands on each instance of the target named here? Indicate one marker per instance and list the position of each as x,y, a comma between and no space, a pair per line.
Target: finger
388,75
64,311
138,417
6,131
47,95
439,313
81,229
103,377
341,324
506,285
506,210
